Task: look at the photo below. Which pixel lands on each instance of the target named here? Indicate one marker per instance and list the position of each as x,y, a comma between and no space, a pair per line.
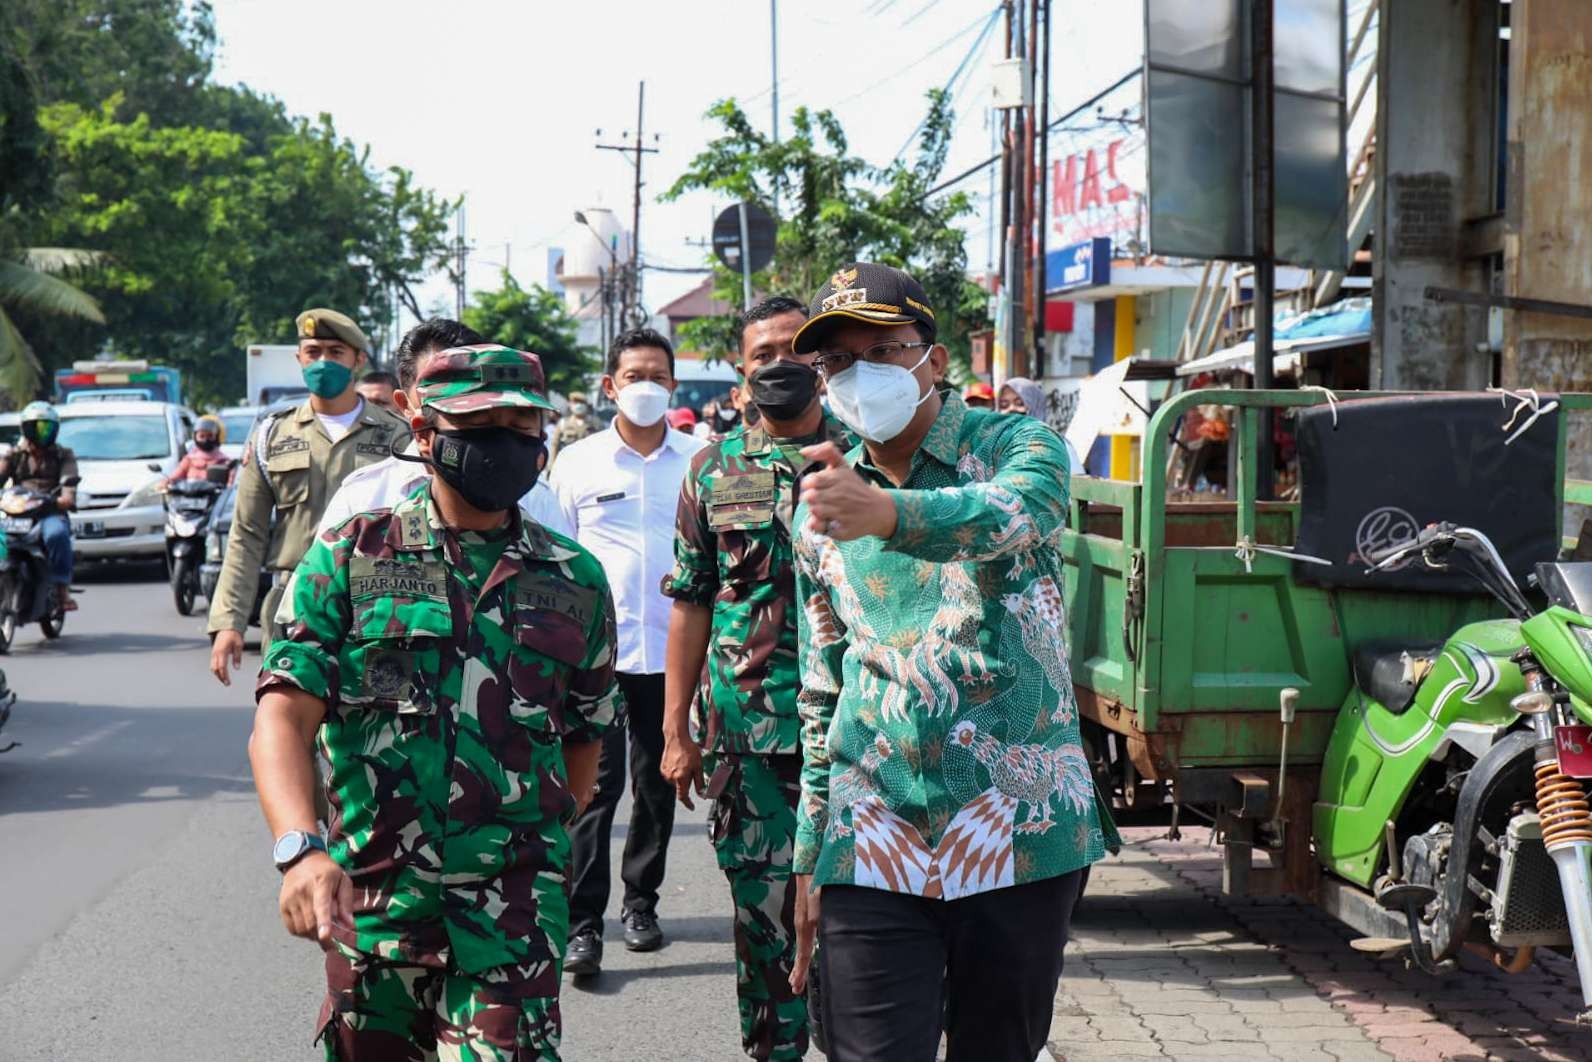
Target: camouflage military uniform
733,555
454,666
289,474
407,631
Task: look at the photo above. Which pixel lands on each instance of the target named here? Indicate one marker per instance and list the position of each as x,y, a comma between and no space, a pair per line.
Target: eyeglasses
834,362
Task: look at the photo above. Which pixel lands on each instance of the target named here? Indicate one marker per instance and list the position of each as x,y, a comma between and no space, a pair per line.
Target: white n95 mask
643,403
877,401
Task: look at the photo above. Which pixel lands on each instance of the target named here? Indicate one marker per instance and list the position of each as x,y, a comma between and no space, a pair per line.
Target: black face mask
207,444
491,468
785,389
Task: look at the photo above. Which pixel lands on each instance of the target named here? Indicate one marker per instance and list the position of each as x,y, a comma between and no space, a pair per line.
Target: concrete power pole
630,285
461,255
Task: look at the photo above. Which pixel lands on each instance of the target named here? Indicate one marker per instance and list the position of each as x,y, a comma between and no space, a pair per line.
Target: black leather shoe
584,956
642,932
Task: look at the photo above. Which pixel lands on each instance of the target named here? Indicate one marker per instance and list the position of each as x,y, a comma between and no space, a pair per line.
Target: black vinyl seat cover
1386,467
1391,672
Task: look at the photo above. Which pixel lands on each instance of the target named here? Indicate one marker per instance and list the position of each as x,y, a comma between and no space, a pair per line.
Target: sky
501,101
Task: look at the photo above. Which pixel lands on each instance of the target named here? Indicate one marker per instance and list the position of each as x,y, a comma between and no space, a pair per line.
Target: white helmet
40,422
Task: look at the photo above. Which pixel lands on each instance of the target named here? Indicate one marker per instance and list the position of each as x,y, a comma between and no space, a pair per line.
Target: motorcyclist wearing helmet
208,435
39,463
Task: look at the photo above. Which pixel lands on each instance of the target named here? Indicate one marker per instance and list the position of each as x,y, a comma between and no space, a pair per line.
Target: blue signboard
1083,265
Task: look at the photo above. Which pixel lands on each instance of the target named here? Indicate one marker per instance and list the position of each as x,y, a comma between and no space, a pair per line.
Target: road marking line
88,739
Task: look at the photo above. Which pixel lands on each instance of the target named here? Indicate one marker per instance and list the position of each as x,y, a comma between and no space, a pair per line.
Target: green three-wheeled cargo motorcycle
1384,686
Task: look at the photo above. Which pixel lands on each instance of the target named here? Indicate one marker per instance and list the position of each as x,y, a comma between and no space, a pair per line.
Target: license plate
91,529
17,525
1575,750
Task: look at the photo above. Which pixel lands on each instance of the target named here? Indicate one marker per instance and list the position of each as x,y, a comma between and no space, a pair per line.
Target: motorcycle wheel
52,622
8,613
184,584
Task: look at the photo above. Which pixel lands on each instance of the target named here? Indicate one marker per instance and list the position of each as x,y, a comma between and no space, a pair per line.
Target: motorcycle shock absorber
1566,820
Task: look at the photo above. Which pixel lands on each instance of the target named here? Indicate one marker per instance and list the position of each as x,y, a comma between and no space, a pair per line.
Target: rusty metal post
1548,239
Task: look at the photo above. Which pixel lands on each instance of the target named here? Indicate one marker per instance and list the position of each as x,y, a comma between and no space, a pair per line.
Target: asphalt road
138,896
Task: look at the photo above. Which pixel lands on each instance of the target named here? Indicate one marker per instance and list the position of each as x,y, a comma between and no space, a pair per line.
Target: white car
238,421
124,450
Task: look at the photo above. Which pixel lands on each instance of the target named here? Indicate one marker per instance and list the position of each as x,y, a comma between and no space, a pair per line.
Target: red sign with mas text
1098,191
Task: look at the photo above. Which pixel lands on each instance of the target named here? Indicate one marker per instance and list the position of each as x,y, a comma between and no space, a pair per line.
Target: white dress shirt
386,483
622,506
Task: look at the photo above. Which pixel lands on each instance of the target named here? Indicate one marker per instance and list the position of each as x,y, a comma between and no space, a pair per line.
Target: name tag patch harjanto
371,577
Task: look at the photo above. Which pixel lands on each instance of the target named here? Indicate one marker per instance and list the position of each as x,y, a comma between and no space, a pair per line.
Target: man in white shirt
384,484
620,488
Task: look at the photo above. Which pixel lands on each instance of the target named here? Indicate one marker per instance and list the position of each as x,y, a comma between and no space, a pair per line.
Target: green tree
155,55
211,244
534,319
219,216
31,278
838,208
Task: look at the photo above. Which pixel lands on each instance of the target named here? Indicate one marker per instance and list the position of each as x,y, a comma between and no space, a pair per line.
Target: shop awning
1289,353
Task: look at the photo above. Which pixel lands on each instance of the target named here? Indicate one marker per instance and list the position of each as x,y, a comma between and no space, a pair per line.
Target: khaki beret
329,324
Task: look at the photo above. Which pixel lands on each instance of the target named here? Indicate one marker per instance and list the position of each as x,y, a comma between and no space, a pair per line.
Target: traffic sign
759,233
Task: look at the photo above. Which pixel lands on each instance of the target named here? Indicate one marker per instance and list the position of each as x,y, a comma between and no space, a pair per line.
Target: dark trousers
893,963
651,816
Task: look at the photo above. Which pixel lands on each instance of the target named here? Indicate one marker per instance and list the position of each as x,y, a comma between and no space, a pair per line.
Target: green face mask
326,378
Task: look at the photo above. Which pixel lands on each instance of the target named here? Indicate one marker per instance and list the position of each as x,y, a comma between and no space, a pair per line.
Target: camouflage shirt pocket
398,645
551,617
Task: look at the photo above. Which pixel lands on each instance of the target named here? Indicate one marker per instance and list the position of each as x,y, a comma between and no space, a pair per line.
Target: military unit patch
388,674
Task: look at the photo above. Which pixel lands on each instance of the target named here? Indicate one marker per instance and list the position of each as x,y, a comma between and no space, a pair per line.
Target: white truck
272,372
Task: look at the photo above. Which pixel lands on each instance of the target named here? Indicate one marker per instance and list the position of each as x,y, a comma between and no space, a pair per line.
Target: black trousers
651,816
892,964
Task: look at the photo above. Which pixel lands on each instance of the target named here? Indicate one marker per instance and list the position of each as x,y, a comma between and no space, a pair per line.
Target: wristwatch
295,845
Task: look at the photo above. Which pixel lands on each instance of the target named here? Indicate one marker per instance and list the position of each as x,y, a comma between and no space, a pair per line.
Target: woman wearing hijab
1022,395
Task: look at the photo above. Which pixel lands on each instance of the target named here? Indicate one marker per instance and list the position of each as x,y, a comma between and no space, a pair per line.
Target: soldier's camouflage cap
485,376
329,324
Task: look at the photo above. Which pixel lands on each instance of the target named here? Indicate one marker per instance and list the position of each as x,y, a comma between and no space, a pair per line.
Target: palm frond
23,286
19,368
56,260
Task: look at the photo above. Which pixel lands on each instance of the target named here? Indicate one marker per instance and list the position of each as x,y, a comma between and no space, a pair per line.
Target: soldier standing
734,591
456,663
574,425
293,463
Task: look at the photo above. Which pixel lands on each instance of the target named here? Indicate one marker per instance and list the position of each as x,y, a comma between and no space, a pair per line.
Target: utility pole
1264,216
1041,271
1003,320
461,255
631,286
1021,229
773,44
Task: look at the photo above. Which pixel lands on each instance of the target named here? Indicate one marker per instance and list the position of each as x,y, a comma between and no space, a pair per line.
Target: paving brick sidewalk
1162,966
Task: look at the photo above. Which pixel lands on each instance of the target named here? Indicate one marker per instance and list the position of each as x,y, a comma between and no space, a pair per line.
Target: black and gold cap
329,324
867,292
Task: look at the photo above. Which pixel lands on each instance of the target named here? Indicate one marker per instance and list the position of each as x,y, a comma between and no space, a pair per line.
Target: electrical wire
956,75
908,67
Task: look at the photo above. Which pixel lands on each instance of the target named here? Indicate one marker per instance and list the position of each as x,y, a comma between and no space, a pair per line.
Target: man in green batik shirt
455,661
948,810
734,590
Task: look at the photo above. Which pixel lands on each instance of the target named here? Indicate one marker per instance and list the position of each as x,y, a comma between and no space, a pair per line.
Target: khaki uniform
302,470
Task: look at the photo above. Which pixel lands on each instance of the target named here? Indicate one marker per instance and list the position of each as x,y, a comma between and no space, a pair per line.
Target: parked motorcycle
1455,771
189,505
26,595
